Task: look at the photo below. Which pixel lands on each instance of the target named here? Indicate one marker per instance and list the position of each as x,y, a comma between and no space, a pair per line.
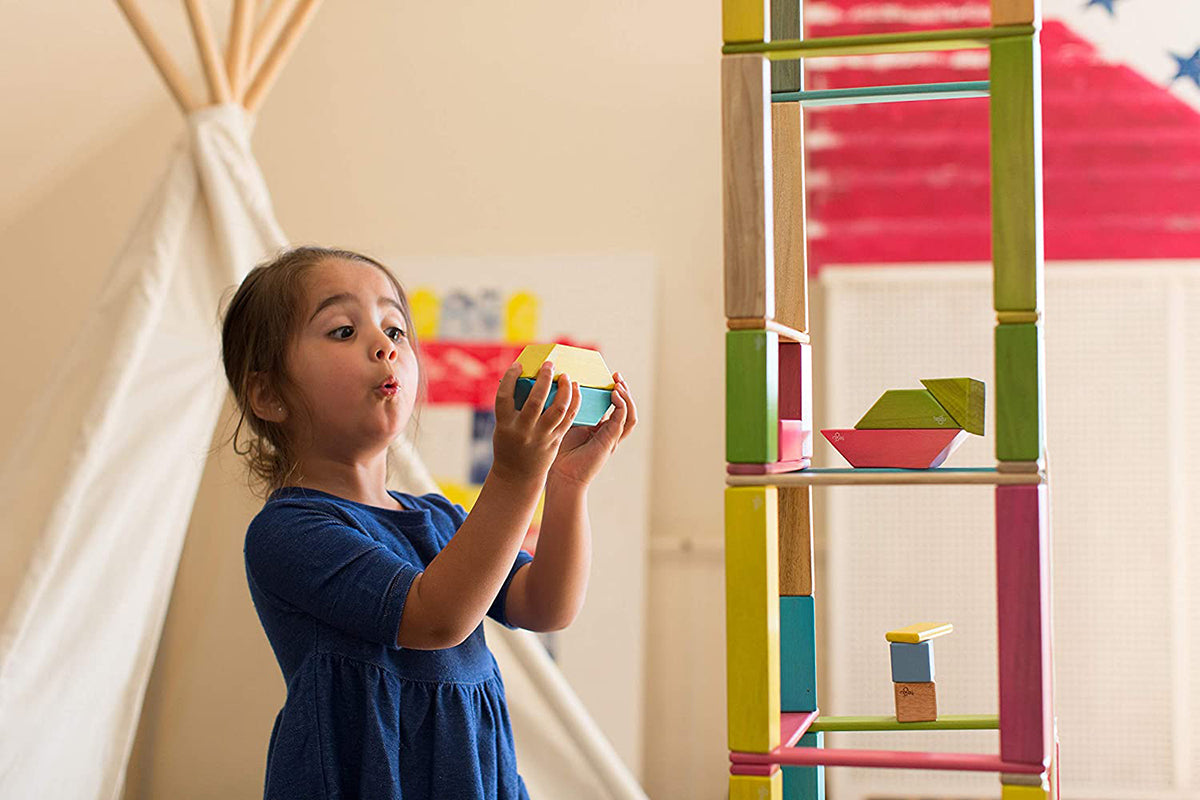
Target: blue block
912,663
797,654
805,783
592,404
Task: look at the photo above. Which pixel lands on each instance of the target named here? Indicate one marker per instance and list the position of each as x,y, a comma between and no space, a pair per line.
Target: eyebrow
347,297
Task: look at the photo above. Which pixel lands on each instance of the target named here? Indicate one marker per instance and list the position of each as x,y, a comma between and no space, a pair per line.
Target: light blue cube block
797,653
912,663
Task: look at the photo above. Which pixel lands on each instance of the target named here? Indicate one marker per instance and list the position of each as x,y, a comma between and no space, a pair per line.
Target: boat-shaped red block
912,448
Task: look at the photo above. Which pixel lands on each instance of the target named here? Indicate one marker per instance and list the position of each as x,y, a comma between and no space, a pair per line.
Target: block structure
751,396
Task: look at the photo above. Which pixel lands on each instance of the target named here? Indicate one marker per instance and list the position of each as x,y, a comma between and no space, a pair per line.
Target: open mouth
389,387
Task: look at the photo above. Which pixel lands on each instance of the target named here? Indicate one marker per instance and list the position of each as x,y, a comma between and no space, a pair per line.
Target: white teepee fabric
105,476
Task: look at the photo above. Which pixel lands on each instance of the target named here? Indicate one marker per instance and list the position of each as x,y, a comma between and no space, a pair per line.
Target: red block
795,382
795,439
897,449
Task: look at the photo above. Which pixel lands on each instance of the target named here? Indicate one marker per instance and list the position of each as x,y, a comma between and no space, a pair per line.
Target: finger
506,406
611,430
554,414
632,417
538,394
573,409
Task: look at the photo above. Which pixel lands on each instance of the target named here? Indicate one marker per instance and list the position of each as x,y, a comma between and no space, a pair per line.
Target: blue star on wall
1107,4
1189,67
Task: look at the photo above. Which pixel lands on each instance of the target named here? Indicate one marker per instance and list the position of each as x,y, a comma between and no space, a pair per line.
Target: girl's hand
585,450
526,441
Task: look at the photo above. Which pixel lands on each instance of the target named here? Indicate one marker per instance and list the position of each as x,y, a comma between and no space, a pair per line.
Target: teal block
912,663
1020,380
751,397
593,403
805,783
797,653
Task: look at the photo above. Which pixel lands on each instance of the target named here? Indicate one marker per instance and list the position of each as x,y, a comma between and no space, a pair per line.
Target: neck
361,481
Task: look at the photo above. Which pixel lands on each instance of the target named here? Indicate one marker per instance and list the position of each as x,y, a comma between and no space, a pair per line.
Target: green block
963,398
797,653
1019,392
751,397
805,783
1016,135
906,408
785,24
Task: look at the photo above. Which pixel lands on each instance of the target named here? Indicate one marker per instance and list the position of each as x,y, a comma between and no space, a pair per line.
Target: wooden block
748,189
785,24
963,398
1023,605
1022,779
585,367
774,468
797,653
912,663
751,397
791,261
921,632
805,783
594,403
1016,12
1016,135
906,408
795,440
795,541
1010,791
898,449
915,702
757,787
1019,397
795,382
752,618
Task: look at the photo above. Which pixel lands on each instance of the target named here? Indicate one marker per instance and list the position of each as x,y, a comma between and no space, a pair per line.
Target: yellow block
752,617
465,494
425,307
521,318
584,366
921,632
756,787
745,20
1008,792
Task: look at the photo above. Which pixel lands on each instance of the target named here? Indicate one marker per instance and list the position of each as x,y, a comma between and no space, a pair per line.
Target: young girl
373,600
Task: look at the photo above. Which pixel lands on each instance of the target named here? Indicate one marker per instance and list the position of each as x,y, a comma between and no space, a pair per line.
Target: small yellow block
1008,792
745,20
921,632
585,367
756,787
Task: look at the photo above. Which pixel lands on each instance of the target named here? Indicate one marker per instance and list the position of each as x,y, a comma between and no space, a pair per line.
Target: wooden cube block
912,663
915,702
756,787
797,653
1019,396
751,397
745,20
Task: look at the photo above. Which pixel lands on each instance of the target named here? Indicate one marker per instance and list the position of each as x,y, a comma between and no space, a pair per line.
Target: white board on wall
607,300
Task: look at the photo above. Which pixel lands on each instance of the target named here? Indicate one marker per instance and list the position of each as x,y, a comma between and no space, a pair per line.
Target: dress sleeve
312,561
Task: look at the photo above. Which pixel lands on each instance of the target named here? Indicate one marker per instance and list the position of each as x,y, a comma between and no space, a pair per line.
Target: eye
398,331
342,328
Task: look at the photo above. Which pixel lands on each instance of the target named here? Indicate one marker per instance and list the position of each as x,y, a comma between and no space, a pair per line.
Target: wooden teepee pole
279,53
206,43
166,66
266,33
238,53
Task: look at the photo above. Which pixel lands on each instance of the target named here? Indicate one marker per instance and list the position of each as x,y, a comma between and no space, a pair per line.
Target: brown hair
261,320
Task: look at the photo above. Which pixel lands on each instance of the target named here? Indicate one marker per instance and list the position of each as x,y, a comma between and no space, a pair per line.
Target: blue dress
365,719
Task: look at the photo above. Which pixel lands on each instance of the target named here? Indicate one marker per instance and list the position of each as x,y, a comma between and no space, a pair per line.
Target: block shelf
849,476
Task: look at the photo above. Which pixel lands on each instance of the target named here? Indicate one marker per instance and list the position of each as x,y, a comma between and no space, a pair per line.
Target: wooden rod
894,759
871,44
837,476
884,94
284,45
266,33
238,52
166,66
944,722
206,44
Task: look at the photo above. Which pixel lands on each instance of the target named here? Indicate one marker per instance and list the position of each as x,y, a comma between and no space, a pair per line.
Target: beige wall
435,128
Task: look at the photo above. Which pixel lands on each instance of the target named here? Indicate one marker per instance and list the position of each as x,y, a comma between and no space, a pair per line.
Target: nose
386,352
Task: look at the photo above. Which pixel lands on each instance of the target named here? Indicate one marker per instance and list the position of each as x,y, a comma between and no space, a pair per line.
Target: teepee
105,474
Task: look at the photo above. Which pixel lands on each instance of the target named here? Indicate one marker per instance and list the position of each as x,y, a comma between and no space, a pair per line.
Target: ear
265,404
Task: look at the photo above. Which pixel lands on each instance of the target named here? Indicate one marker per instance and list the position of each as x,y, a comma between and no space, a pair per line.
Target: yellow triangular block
586,367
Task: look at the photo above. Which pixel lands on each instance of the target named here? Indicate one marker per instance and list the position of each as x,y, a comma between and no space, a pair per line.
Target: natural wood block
912,663
805,783
747,187
1019,397
745,20
921,632
795,541
1023,632
963,398
1016,137
785,24
797,653
791,260
756,787
906,409
582,365
752,617
795,381
751,397
1016,12
915,702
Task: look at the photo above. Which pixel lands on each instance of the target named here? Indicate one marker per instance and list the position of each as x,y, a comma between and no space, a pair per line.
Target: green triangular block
963,398
906,408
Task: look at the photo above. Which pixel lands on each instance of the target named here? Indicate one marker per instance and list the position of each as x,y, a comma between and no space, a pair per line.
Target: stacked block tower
775,729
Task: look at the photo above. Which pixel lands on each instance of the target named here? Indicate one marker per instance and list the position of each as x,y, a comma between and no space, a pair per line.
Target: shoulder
297,517
441,509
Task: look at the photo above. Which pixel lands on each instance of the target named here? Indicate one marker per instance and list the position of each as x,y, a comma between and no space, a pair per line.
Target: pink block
894,759
753,769
795,381
768,469
795,439
895,448
1023,604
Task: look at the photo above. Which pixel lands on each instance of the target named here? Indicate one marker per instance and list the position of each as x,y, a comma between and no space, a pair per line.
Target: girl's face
352,343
